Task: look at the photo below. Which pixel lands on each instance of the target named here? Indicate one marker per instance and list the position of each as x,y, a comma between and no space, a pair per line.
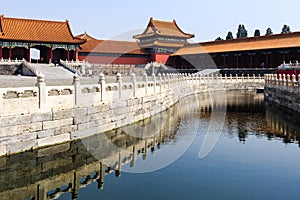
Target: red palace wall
160,57
114,60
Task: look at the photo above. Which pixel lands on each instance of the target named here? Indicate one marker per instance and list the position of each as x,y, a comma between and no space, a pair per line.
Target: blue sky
206,19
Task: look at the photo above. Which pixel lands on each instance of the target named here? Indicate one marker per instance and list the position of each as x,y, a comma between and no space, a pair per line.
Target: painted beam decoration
32,44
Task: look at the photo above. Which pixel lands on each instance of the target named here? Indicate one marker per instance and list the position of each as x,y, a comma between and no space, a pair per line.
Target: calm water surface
257,156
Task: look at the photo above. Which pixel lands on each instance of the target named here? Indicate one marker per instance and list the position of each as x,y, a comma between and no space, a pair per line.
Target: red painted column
0,52
10,53
51,54
76,54
68,55
28,54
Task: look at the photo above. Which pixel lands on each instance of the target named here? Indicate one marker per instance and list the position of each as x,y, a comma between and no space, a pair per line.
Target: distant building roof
16,29
163,28
109,46
276,41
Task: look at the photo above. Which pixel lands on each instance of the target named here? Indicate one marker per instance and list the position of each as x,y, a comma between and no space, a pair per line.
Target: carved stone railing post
102,85
133,79
288,81
279,81
284,81
42,91
154,83
294,83
119,81
165,82
160,82
168,81
266,77
180,78
275,80
193,78
197,81
77,92
145,78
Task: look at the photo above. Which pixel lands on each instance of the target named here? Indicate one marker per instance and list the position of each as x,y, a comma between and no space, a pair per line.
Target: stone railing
283,89
43,97
289,65
34,117
283,82
10,62
75,66
112,69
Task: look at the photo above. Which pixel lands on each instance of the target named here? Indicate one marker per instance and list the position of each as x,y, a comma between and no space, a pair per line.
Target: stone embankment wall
10,67
34,117
283,90
50,172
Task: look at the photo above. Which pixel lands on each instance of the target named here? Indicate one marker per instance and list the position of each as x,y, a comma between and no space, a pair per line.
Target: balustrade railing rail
43,97
283,82
10,61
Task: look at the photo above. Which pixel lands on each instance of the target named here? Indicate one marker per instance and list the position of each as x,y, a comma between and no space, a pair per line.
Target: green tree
256,33
269,31
229,36
285,29
219,39
242,32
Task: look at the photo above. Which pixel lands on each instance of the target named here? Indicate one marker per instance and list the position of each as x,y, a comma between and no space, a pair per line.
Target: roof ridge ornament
1,29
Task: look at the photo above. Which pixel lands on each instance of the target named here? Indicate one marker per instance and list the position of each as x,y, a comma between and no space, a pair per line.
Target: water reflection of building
235,105
47,173
246,113
283,123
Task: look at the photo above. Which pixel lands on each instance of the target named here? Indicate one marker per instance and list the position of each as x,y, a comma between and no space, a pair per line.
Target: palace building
252,52
162,38
162,42
54,40
159,40
111,51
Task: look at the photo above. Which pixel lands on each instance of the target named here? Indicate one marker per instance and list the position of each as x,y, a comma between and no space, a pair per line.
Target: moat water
251,151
